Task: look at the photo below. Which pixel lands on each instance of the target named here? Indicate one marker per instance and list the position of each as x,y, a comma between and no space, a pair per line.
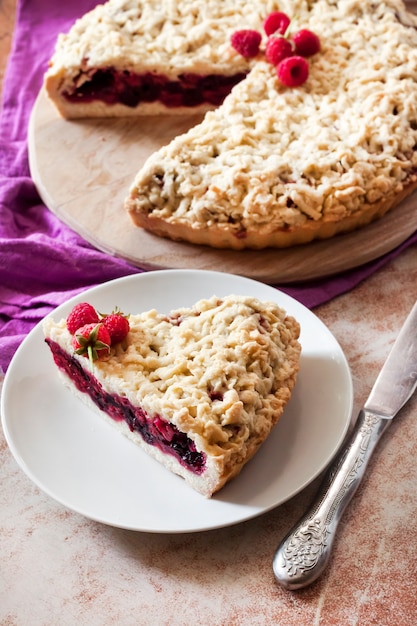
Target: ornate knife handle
304,553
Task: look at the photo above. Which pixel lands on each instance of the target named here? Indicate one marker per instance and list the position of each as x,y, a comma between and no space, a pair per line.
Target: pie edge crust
222,236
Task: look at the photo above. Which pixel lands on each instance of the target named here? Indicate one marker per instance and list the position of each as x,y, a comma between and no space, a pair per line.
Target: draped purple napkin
42,262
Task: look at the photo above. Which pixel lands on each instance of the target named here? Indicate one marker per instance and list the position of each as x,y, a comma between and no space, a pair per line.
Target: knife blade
397,379
304,553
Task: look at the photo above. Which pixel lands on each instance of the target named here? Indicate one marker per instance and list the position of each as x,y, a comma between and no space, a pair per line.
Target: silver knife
304,553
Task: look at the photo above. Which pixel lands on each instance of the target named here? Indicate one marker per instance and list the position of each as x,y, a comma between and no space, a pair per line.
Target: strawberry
92,341
81,314
117,324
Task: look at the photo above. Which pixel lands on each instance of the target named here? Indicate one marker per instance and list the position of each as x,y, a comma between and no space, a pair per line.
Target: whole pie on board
272,165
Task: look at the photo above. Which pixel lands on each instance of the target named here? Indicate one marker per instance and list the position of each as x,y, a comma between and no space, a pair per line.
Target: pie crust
272,166
220,236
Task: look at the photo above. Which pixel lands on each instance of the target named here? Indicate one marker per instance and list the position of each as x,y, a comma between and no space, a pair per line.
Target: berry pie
300,151
199,389
313,127
130,57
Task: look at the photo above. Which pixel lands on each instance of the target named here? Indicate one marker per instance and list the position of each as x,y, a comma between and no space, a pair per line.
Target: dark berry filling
155,431
124,87
215,395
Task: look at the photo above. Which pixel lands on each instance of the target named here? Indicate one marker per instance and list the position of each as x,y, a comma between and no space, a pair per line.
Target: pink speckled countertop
60,569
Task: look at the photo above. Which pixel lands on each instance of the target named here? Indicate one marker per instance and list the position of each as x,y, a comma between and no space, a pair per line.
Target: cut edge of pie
150,57
70,108
199,389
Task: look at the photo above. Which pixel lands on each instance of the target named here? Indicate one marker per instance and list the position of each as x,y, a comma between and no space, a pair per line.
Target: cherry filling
156,431
124,87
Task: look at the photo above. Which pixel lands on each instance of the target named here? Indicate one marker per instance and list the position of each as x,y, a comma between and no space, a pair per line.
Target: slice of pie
199,389
130,57
280,166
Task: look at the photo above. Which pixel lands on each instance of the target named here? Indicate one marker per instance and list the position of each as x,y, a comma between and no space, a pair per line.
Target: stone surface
60,568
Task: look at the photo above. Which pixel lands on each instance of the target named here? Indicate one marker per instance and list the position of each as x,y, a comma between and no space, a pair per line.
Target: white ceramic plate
87,466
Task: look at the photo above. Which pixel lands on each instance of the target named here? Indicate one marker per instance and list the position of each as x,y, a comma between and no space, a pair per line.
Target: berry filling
123,87
155,431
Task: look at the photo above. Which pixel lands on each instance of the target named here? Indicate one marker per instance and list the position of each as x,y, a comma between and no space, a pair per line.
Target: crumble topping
158,36
276,158
221,371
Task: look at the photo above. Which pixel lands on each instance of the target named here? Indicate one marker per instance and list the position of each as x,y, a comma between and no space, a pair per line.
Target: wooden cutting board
83,170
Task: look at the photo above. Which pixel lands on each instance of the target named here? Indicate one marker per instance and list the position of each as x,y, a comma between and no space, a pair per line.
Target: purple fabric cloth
42,262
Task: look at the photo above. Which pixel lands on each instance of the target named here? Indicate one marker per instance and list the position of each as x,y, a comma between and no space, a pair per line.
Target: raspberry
293,71
306,43
246,42
117,325
276,22
277,49
92,341
80,315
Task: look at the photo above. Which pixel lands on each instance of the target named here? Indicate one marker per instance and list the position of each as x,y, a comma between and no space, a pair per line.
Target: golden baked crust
222,236
221,372
277,166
